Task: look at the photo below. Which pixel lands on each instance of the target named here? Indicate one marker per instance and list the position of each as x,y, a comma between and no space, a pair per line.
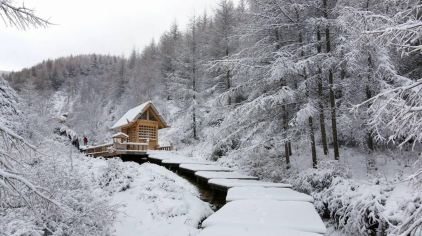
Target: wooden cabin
136,133
140,125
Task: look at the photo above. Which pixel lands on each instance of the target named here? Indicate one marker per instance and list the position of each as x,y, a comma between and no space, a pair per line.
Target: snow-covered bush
114,177
358,208
316,180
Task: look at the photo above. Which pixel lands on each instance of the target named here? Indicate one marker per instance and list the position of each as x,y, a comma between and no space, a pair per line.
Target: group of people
75,141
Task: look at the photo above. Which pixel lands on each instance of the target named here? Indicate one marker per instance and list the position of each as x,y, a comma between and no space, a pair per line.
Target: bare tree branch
20,17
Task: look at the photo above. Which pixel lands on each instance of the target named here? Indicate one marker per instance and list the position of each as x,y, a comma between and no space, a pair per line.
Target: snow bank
156,202
260,193
269,214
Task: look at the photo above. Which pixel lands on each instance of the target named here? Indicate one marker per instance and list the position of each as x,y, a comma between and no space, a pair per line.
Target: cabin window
147,132
144,116
152,117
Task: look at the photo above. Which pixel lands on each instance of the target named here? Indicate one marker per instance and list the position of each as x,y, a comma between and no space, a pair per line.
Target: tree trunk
290,148
320,101
228,86
313,148
331,84
286,155
228,83
286,143
369,139
194,125
333,116
310,119
195,136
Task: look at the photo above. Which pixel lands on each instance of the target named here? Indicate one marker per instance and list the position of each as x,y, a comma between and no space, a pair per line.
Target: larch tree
224,42
13,147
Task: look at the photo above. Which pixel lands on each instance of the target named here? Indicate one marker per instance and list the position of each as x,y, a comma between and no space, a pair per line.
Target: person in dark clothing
85,140
77,143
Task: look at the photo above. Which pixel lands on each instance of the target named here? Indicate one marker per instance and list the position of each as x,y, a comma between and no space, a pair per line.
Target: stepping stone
224,184
158,158
223,175
178,161
246,230
268,214
202,167
260,193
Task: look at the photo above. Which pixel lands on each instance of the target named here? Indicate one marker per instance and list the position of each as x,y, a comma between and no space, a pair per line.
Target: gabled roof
133,114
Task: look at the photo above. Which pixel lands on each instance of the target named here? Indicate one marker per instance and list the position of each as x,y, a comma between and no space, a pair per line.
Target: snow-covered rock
246,230
229,183
269,214
260,193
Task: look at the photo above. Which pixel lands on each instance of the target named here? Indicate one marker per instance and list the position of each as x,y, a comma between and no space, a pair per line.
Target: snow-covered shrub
316,180
114,177
356,207
404,214
62,201
85,210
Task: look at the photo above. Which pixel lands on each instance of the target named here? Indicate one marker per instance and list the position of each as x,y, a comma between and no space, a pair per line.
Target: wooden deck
117,149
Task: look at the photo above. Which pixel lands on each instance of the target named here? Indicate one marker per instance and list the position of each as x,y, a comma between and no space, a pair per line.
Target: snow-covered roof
133,114
120,135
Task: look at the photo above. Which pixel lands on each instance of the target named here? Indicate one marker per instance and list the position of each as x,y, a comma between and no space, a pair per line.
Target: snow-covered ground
151,200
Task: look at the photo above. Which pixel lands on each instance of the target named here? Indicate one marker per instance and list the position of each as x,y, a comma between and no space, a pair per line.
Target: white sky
93,26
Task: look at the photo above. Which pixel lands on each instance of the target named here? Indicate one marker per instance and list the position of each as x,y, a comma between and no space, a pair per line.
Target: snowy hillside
74,195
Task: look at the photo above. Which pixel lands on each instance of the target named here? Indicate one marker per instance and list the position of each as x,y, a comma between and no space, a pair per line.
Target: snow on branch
13,149
14,136
396,113
20,17
404,30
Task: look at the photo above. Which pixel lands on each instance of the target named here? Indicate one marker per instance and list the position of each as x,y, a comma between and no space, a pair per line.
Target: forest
323,94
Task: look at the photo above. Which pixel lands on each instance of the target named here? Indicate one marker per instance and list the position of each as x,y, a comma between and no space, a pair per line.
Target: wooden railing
131,146
166,148
116,148
94,150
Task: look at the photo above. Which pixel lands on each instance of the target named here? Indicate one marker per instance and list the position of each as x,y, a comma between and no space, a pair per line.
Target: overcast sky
93,26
